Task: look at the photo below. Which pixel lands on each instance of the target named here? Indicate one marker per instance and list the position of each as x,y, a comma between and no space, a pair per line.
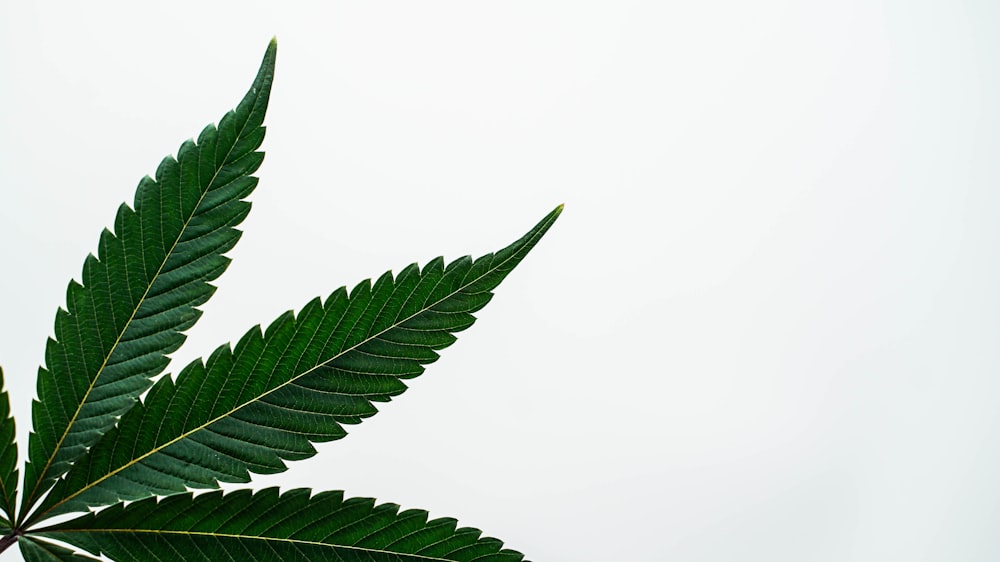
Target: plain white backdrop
764,328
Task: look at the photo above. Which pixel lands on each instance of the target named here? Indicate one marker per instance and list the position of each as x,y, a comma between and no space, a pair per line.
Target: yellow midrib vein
246,537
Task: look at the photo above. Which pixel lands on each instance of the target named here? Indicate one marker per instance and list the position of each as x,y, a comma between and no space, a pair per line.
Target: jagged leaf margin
268,526
140,293
8,457
250,408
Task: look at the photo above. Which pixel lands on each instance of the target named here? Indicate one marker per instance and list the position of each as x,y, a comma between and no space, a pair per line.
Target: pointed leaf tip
543,226
267,65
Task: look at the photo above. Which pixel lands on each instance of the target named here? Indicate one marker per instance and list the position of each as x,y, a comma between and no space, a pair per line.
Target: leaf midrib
282,385
49,532
32,499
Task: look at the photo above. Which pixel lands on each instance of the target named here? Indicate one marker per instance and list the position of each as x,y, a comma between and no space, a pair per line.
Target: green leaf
140,293
250,408
8,457
242,525
34,550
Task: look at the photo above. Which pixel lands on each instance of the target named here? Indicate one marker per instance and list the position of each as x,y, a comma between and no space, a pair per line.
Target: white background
765,327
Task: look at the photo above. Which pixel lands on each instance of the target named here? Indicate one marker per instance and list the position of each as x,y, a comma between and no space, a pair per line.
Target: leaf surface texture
8,456
140,292
266,526
34,550
252,407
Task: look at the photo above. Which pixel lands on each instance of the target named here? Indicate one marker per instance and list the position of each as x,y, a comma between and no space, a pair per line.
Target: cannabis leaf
245,409
266,525
35,550
140,292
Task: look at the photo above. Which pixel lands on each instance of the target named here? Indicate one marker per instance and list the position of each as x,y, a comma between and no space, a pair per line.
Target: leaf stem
9,540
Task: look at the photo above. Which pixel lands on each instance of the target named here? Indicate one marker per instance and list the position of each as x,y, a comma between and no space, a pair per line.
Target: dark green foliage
247,408
35,550
243,525
251,407
8,459
139,294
